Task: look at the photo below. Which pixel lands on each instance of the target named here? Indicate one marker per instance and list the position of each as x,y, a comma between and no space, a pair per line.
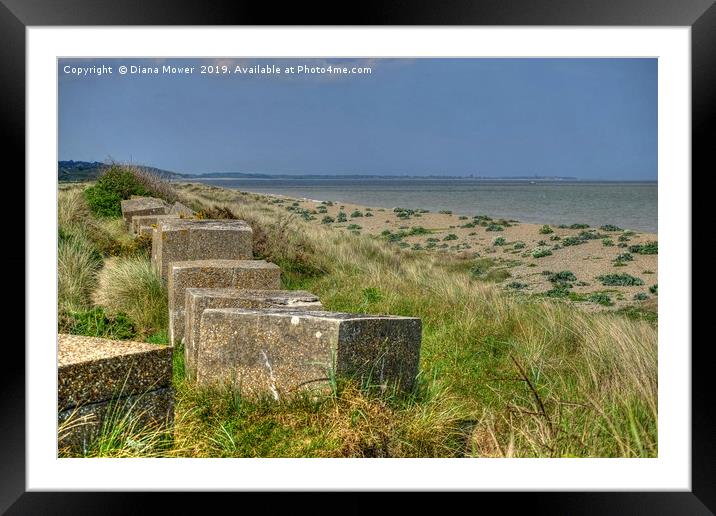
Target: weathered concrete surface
179,240
149,220
146,231
100,378
199,299
150,411
237,274
181,210
92,369
142,206
281,352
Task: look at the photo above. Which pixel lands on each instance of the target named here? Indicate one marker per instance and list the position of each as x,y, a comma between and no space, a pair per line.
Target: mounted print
358,257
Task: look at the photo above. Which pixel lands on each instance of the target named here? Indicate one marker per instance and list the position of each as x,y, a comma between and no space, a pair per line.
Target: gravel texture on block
199,299
91,369
146,231
237,274
278,353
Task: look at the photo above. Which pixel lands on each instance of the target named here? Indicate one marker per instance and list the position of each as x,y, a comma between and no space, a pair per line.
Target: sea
629,205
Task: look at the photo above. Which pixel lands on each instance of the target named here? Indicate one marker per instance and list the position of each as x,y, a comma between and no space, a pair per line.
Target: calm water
628,205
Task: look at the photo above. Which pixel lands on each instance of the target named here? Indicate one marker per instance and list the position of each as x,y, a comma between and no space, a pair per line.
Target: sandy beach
504,249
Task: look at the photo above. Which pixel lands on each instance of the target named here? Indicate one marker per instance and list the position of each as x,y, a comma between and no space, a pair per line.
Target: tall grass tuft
154,184
131,286
78,262
126,431
72,209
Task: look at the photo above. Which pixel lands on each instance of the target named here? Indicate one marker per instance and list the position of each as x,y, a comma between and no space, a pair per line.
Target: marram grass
131,286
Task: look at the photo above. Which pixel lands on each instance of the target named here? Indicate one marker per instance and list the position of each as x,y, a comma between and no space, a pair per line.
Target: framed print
419,252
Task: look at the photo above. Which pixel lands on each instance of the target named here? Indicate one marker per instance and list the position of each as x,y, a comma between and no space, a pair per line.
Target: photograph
358,257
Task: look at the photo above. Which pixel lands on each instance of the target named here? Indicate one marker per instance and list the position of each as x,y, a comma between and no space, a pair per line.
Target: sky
584,118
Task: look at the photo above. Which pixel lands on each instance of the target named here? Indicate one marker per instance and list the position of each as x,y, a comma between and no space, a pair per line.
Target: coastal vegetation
503,373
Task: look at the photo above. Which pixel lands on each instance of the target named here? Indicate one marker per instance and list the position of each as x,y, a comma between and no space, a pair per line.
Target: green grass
639,314
567,277
541,252
620,280
645,248
570,240
96,323
601,298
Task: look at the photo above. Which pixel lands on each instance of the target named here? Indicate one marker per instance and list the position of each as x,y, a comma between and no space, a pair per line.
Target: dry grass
153,183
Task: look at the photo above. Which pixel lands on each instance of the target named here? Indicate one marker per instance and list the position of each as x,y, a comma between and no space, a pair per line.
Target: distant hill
89,170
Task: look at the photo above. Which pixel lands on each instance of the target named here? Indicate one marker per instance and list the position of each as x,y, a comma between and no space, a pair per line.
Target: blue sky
587,118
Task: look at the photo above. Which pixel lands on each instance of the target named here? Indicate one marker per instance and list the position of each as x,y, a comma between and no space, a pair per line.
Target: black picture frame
700,15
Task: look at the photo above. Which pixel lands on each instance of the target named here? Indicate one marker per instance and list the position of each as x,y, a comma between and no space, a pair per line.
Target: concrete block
100,377
281,352
199,299
146,231
142,206
149,220
179,240
91,369
236,274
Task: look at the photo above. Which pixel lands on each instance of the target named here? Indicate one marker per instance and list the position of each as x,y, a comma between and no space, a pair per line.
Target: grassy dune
501,375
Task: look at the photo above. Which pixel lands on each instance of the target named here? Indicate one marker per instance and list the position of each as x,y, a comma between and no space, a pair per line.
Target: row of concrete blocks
237,326
141,214
230,314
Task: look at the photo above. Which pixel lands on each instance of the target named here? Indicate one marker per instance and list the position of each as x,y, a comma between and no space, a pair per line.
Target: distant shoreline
631,205
521,253
423,178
